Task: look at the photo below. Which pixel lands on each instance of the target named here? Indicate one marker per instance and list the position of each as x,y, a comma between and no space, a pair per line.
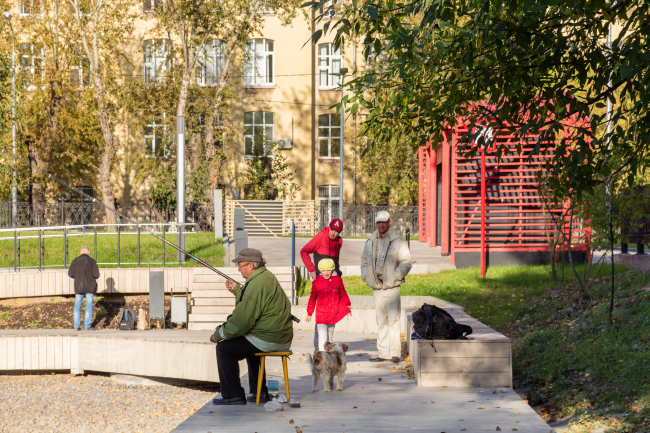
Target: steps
212,303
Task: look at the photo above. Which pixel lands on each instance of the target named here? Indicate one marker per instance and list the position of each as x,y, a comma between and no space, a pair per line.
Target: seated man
261,322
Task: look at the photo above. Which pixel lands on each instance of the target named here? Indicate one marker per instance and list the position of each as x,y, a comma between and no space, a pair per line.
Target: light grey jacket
394,261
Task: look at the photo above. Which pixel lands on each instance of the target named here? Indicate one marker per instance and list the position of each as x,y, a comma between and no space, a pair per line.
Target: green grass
4,315
201,245
566,356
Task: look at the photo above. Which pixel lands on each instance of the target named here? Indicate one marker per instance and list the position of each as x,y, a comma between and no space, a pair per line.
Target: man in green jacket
261,322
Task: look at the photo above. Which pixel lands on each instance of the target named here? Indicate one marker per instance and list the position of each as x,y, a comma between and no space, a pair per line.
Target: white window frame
210,63
252,121
325,135
155,68
259,64
82,68
218,130
157,136
31,13
149,6
28,64
330,62
329,9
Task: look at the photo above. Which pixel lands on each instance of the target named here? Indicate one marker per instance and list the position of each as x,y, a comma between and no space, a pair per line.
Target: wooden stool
263,355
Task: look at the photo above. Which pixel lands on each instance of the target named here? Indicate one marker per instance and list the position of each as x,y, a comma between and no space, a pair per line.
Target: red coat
321,246
333,301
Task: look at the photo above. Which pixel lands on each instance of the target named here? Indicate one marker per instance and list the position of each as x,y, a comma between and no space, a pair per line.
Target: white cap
382,216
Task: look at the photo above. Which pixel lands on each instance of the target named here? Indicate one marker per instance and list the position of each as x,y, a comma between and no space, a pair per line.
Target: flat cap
249,255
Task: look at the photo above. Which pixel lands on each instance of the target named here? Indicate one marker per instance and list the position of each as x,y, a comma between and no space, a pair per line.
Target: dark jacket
84,271
322,247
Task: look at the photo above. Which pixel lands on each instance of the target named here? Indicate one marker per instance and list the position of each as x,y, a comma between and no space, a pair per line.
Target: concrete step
210,278
213,301
211,293
202,326
208,286
212,309
212,317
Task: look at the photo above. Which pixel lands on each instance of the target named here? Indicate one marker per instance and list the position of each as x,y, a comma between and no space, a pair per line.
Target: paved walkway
277,251
368,404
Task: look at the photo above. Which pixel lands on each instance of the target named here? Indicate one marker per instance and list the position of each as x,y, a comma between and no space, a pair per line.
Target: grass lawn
202,245
566,356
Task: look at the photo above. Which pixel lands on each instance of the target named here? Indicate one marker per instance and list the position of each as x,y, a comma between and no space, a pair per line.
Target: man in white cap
386,260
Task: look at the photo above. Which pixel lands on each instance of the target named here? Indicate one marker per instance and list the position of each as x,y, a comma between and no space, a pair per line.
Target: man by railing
84,271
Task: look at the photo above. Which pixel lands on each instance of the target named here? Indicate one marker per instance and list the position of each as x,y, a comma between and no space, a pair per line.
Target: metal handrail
94,225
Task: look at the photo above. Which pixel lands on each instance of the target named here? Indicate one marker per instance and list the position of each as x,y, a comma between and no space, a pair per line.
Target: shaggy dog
330,363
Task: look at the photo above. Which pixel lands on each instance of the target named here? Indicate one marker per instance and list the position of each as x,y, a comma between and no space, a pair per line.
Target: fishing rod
151,231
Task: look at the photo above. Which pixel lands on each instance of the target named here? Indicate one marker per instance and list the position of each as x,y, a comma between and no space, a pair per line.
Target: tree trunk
106,155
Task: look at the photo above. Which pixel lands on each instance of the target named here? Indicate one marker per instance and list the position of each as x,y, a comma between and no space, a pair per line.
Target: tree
103,26
538,63
268,176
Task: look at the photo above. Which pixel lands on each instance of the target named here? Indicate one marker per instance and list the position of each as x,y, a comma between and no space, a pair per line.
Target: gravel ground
67,403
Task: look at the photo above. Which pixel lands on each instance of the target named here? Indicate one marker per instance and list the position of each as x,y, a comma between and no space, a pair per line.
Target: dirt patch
56,312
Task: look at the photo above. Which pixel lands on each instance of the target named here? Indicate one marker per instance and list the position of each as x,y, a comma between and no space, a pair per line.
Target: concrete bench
483,361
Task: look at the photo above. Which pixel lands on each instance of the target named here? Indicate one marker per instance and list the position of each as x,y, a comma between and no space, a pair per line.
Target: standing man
386,260
326,244
84,272
261,322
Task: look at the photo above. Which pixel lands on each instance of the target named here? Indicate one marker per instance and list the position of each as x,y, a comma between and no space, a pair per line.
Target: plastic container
273,386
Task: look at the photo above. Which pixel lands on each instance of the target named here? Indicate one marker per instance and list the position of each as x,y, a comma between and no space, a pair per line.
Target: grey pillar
218,214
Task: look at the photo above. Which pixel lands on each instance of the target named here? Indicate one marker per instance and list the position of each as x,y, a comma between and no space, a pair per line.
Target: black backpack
433,323
127,320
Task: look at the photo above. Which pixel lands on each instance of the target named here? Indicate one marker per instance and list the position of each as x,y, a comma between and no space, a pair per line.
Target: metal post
95,239
639,250
342,147
40,264
14,188
19,251
164,237
118,246
624,248
293,263
483,194
180,183
138,246
408,237
15,260
65,248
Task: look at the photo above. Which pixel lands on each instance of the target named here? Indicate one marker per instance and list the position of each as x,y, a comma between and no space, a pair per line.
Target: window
329,136
258,130
31,65
328,198
329,9
258,66
156,138
80,70
31,7
329,63
210,63
261,7
150,5
157,59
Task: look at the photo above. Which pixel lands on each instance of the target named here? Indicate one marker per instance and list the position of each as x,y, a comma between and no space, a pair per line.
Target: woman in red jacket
333,303
326,244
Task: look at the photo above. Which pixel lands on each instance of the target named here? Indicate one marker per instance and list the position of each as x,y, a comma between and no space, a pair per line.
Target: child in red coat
333,303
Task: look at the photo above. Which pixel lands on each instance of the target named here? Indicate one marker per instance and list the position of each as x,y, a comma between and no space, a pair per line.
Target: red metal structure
482,211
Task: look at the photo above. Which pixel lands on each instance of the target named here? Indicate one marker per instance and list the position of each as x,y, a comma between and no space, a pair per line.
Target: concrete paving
277,251
374,399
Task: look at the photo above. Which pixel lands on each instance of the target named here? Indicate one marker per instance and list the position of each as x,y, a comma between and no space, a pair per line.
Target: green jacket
263,312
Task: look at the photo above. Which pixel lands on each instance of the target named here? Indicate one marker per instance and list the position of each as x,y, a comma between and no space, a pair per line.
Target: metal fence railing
360,220
50,247
83,213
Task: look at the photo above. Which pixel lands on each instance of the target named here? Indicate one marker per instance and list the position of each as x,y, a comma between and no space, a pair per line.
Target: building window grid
259,65
80,70
258,131
329,136
329,9
155,138
157,57
210,63
329,64
150,5
31,8
31,64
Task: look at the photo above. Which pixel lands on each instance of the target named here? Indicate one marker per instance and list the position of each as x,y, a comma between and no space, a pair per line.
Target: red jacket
333,301
321,246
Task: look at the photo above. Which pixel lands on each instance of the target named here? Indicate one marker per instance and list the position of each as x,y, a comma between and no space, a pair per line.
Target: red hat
337,225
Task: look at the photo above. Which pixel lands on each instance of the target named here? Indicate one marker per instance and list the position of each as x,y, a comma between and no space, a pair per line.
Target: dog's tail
315,360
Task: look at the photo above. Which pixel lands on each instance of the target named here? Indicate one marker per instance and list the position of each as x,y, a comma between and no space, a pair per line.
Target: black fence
360,220
75,213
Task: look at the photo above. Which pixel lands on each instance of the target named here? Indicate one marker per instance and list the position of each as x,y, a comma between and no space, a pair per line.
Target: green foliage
33,324
4,315
541,64
269,176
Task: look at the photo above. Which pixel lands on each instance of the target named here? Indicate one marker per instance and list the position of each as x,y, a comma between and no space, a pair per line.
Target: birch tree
103,26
